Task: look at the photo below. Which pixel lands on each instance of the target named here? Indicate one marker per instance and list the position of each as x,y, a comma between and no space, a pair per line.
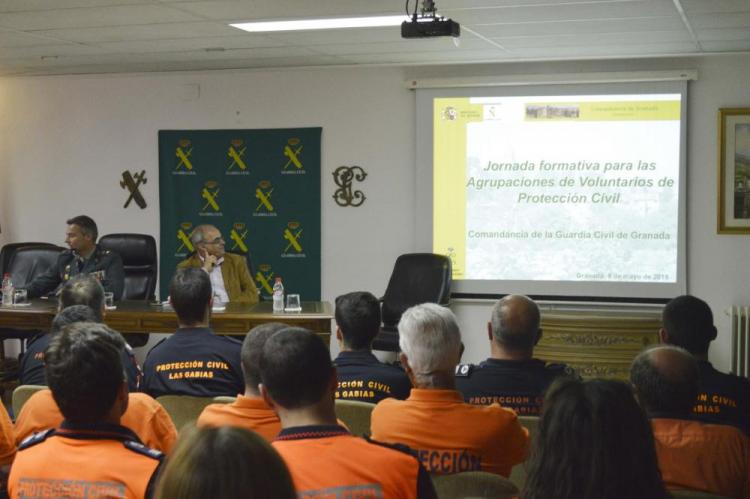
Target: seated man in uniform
230,277
83,290
722,398
511,377
448,434
325,460
84,257
90,451
249,411
694,455
193,361
361,376
144,415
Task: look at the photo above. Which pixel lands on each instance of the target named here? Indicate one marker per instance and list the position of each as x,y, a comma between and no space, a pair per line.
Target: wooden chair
184,409
474,484
21,394
355,414
518,474
693,494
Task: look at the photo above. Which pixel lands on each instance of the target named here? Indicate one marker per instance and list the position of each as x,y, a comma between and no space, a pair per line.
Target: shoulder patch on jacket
142,449
464,370
36,438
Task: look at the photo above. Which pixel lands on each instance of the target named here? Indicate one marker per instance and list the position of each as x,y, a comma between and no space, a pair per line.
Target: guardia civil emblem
183,237
238,235
263,193
293,239
293,153
184,162
210,194
236,155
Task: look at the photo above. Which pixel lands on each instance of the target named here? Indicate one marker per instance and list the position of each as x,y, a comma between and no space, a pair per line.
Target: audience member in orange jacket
91,453
144,415
449,435
7,445
692,455
249,411
324,459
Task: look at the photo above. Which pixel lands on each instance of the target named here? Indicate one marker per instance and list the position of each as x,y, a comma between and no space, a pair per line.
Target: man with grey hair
449,435
511,376
230,277
692,455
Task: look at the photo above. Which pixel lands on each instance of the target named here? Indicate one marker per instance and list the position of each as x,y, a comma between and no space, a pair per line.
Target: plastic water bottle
278,296
7,290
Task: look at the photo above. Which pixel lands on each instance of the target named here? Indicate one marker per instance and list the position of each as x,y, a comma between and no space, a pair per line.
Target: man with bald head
692,455
511,376
230,278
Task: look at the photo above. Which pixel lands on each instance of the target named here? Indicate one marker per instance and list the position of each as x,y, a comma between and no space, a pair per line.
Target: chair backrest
518,473
693,494
27,262
21,394
185,409
7,251
138,253
416,278
355,415
479,484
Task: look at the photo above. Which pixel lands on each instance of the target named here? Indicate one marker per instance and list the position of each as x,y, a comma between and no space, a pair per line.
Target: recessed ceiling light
312,24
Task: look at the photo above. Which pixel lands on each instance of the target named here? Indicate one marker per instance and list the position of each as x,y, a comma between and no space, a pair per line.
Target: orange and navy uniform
7,444
100,460
363,378
194,361
514,384
328,461
451,436
31,368
144,416
700,456
722,398
251,413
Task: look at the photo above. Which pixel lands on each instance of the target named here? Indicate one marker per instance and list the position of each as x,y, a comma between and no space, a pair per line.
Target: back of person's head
252,351
84,370
515,323
593,442
72,314
87,225
224,463
190,293
689,323
296,368
358,317
666,380
83,289
430,339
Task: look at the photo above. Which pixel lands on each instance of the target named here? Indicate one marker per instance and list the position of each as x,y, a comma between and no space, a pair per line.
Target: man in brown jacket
230,277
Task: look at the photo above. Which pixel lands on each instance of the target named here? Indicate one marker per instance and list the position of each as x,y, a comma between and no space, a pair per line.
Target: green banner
261,188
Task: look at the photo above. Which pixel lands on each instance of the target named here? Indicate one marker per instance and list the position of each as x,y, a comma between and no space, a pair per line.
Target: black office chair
138,253
27,261
416,278
8,250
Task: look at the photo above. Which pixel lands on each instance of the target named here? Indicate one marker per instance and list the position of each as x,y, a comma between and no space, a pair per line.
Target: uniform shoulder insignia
36,438
142,449
464,370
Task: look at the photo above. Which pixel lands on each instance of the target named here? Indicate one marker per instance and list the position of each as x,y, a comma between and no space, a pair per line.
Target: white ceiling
101,36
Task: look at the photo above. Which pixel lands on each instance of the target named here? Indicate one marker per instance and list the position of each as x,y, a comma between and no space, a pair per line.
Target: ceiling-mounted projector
427,24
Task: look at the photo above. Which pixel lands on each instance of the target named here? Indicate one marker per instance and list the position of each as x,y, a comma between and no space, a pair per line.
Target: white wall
64,142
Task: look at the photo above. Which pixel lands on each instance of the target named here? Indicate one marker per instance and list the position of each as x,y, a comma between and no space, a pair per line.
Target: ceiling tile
635,25
714,6
287,9
721,21
144,32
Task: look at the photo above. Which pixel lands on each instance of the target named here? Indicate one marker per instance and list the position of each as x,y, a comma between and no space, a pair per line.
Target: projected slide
558,188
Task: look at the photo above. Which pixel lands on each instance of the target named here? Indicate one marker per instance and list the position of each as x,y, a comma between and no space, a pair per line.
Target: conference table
143,317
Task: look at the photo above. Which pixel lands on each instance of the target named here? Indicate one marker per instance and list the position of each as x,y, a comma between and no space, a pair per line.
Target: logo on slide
263,193
293,236
210,194
449,113
238,234
264,278
236,154
293,153
182,153
185,246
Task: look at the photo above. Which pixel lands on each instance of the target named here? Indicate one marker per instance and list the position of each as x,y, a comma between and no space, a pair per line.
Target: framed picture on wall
734,171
